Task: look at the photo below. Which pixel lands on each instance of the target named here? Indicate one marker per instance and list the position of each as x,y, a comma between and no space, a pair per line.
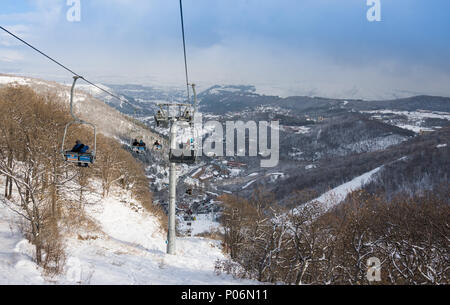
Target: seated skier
135,142
157,145
78,146
84,149
141,143
81,149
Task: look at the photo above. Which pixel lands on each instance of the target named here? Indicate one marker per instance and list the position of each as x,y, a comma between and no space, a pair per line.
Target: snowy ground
129,249
202,223
335,196
16,265
338,194
415,119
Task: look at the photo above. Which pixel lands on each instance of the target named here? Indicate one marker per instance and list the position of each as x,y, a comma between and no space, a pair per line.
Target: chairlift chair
187,115
157,146
162,118
186,155
138,148
185,158
85,158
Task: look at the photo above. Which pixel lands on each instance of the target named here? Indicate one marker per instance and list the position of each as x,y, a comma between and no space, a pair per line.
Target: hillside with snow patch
127,248
108,120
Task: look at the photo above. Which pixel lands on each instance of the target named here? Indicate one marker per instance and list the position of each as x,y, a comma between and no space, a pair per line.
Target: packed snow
5,80
310,166
16,260
337,195
203,223
129,248
248,184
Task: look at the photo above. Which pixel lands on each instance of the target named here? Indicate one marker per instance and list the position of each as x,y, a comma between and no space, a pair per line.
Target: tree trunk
54,192
10,188
6,187
37,242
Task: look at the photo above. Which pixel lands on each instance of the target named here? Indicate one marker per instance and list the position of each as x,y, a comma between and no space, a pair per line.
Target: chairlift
135,141
185,158
157,145
162,118
188,218
187,115
137,147
81,158
186,155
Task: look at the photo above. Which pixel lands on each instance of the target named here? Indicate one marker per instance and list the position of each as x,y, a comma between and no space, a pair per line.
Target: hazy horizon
313,48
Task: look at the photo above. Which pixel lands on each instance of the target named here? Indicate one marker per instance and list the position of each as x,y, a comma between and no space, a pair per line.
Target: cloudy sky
305,47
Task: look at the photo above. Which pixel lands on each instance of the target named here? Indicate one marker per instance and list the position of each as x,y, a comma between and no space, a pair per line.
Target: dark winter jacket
77,147
84,149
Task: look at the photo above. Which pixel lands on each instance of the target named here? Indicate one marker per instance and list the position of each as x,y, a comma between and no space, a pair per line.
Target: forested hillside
48,193
408,235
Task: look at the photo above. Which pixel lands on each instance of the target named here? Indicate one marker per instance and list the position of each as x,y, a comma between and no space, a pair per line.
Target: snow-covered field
129,249
414,115
415,119
110,123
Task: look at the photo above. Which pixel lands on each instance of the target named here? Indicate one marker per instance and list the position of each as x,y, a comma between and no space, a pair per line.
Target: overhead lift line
184,49
122,99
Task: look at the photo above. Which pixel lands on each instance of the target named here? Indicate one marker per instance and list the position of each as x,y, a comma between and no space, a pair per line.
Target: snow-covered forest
40,186
317,246
64,224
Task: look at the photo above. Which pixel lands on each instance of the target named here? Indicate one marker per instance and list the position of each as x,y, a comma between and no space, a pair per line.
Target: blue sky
306,47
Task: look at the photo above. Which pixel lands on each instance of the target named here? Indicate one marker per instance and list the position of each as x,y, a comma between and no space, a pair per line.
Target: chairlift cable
184,49
122,99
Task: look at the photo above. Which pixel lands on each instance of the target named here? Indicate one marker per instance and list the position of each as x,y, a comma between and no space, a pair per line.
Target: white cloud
10,56
21,30
129,54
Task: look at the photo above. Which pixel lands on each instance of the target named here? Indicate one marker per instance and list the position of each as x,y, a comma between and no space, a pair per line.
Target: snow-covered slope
132,251
336,195
16,264
129,248
108,120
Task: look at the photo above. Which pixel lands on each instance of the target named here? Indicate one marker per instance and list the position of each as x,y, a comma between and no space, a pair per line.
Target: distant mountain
327,142
222,99
422,102
324,142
